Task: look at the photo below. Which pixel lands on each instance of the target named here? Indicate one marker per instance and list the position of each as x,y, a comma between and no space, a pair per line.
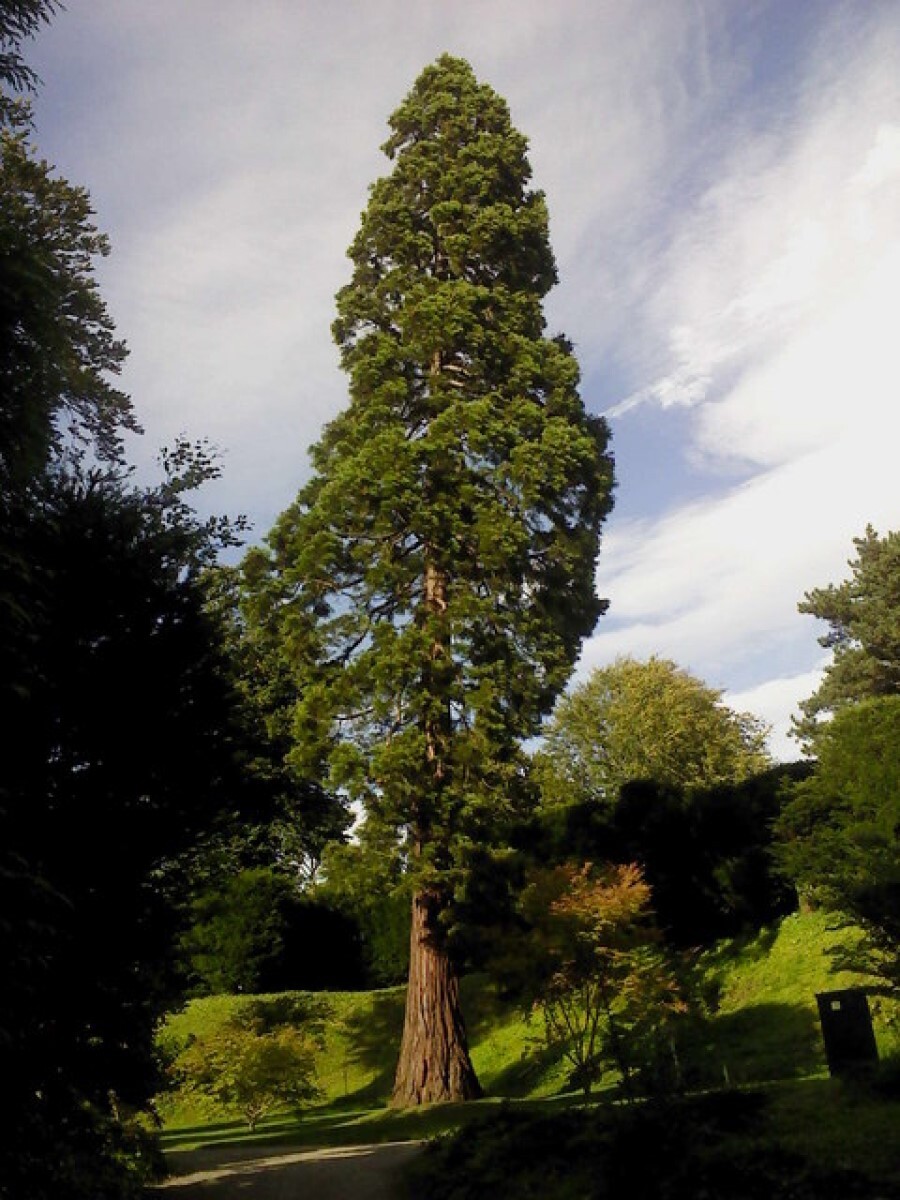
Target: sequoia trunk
434,1063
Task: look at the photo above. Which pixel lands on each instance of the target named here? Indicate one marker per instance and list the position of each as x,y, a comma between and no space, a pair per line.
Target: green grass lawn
356,1066
763,1027
765,1023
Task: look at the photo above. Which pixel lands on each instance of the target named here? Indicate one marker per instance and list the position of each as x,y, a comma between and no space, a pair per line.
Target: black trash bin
847,1030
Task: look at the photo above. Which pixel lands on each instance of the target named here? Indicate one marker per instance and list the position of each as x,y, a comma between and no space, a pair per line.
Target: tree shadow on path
344,1173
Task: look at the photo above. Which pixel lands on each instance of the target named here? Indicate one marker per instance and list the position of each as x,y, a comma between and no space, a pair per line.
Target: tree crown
434,579
648,720
863,615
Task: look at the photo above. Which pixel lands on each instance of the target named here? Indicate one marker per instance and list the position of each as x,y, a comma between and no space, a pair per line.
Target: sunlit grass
762,991
763,1027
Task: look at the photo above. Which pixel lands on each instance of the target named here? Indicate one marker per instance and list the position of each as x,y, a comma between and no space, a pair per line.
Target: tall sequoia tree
433,581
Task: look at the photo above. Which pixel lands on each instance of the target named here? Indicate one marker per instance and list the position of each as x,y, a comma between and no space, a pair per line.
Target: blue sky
723,178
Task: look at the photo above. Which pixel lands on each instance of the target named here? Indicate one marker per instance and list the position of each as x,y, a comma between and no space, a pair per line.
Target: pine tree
432,583
863,615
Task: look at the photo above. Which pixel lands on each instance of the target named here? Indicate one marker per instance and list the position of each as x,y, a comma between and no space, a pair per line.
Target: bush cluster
708,1147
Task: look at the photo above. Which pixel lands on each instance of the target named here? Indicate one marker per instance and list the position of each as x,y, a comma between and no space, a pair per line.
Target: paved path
342,1173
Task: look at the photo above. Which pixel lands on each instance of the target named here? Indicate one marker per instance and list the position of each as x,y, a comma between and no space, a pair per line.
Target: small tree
257,1061
602,986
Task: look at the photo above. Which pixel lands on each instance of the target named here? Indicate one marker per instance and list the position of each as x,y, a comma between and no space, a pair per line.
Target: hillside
762,1026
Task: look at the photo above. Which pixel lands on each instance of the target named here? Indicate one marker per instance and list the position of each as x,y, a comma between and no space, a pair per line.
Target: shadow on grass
519,1079
184,1134
822,1119
482,1007
325,1128
755,1044
750,948
373,1039
200,1147
739,1143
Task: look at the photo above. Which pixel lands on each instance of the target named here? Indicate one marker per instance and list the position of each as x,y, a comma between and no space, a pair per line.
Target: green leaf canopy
431,585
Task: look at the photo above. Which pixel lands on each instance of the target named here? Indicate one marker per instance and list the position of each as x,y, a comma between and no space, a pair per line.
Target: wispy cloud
795,217
776,305
724,189
230,158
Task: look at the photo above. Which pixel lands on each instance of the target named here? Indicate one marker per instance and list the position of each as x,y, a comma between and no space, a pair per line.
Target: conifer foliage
433,581
863,615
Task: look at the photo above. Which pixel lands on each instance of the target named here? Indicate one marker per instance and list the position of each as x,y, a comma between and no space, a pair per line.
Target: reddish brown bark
434,1064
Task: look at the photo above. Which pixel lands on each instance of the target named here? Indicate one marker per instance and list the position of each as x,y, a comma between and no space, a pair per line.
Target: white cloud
715,585
797,213
730,245
776,702
832,384
882,164
230,158
776,310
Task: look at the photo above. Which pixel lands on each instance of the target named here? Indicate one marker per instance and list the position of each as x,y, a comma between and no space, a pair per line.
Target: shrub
261,1059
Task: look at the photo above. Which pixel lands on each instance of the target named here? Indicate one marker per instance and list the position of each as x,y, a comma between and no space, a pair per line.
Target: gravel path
343,1173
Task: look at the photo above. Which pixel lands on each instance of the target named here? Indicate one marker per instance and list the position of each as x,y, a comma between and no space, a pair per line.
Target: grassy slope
356,1066
765,1024
765,1027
